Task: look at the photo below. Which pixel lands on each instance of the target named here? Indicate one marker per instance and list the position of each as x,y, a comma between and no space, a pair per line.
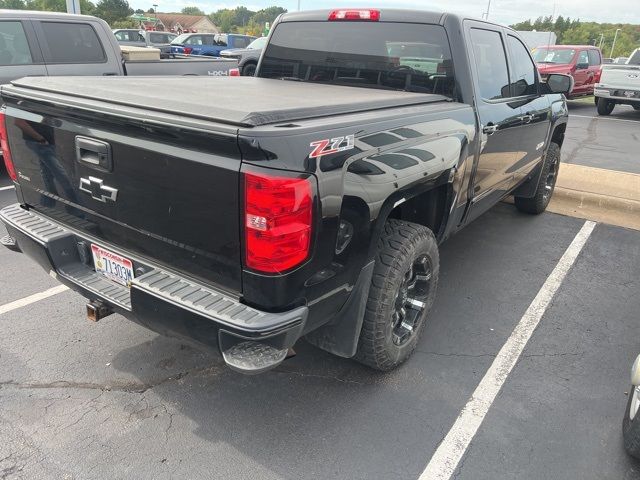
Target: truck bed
238,101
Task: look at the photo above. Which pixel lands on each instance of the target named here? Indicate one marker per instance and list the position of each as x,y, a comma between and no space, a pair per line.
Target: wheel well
558,134
427,209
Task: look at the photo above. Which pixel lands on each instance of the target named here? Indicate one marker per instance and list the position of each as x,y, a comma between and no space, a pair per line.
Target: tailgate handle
94,153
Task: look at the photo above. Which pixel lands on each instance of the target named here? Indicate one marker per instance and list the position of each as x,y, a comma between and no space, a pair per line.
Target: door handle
526,118
490,129
94,153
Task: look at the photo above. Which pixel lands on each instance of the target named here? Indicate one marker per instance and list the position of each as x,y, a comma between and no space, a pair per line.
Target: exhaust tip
97,310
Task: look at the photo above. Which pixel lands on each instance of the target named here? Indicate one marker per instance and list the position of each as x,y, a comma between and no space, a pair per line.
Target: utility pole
298,5
614,42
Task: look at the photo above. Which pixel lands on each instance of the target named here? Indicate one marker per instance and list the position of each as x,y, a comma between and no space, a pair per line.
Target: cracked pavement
80,400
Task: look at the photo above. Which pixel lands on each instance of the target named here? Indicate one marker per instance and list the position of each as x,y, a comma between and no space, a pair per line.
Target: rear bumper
624,95
160,300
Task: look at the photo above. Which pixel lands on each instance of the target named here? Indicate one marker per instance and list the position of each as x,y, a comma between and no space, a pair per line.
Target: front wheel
605,107
403,288
546,185
249,70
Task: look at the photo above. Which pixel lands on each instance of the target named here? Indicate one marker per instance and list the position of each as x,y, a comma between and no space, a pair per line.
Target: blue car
209,44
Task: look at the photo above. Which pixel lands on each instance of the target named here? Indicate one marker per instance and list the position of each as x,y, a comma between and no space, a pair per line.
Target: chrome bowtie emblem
98,191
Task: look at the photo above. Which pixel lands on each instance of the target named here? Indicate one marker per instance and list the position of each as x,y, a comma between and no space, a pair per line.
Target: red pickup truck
582,62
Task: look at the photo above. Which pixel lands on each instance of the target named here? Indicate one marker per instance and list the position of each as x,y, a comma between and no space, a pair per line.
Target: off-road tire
400,245
539,202
604,106
631,429
249,70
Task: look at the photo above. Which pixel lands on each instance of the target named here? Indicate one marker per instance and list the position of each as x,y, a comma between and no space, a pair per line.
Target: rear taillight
355,15
4,146
234,72
187,50
278,219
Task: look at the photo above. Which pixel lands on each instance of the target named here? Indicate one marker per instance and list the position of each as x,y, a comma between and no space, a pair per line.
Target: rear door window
594,58
14,48
390,56
491,64
523,70
71,43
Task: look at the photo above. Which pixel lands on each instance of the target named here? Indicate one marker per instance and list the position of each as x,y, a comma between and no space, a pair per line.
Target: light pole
298,5
601,40
614,43
486,14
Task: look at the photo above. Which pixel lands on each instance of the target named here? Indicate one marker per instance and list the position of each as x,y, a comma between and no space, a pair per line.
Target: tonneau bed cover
236,101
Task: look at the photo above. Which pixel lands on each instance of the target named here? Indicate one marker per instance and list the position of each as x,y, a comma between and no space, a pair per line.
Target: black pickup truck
308,201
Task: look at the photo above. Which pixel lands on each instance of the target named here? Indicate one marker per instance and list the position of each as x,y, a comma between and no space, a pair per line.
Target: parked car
620,60
247,57
142,38
53,44
631,419
309,200
582,62
619,85
208,44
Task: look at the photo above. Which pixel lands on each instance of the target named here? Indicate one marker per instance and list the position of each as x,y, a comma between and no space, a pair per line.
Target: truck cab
582,62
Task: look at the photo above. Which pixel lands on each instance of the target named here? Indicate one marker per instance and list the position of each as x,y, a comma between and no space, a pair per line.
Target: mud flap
341,335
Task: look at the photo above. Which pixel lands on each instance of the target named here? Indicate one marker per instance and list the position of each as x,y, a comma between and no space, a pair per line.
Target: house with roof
179,23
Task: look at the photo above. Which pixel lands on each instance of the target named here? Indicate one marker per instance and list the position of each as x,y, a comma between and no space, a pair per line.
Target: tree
113,10
192,11
13,4
139,11
268,15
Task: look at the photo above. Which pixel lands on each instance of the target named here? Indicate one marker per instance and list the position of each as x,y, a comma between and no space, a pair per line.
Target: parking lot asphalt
610,142
113,400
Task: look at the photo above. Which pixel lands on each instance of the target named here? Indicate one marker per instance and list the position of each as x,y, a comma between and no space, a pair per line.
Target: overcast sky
503,11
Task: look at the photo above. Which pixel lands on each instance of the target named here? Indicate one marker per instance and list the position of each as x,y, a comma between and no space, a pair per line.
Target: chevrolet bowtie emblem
98,190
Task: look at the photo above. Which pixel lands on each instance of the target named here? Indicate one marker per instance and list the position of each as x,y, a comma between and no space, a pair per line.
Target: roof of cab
26,14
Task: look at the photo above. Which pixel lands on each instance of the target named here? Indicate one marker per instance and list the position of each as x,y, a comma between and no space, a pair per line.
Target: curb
597,194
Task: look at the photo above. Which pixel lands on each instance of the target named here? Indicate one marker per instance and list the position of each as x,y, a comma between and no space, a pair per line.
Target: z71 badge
335,145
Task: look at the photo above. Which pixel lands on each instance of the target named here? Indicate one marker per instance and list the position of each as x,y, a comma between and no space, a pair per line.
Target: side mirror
559,83
582,66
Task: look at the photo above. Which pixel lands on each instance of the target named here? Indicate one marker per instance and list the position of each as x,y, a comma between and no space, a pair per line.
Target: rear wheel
605,107
249,70
547,184
403,288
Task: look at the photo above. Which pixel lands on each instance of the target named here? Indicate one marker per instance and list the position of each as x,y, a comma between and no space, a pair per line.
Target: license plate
112,265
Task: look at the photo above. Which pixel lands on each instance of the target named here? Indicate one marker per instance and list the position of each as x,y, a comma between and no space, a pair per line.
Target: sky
501,11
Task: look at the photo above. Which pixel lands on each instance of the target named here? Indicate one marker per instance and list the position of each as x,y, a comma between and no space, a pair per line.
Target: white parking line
36,297
6,188
601,118
446,458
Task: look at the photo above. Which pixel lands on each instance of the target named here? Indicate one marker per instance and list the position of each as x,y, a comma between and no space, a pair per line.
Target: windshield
551,55
394,56
257,44
180,38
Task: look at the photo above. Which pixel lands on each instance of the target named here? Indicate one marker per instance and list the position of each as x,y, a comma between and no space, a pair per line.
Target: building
179,23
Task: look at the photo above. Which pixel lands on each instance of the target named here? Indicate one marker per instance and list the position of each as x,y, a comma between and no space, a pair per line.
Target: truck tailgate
133,184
